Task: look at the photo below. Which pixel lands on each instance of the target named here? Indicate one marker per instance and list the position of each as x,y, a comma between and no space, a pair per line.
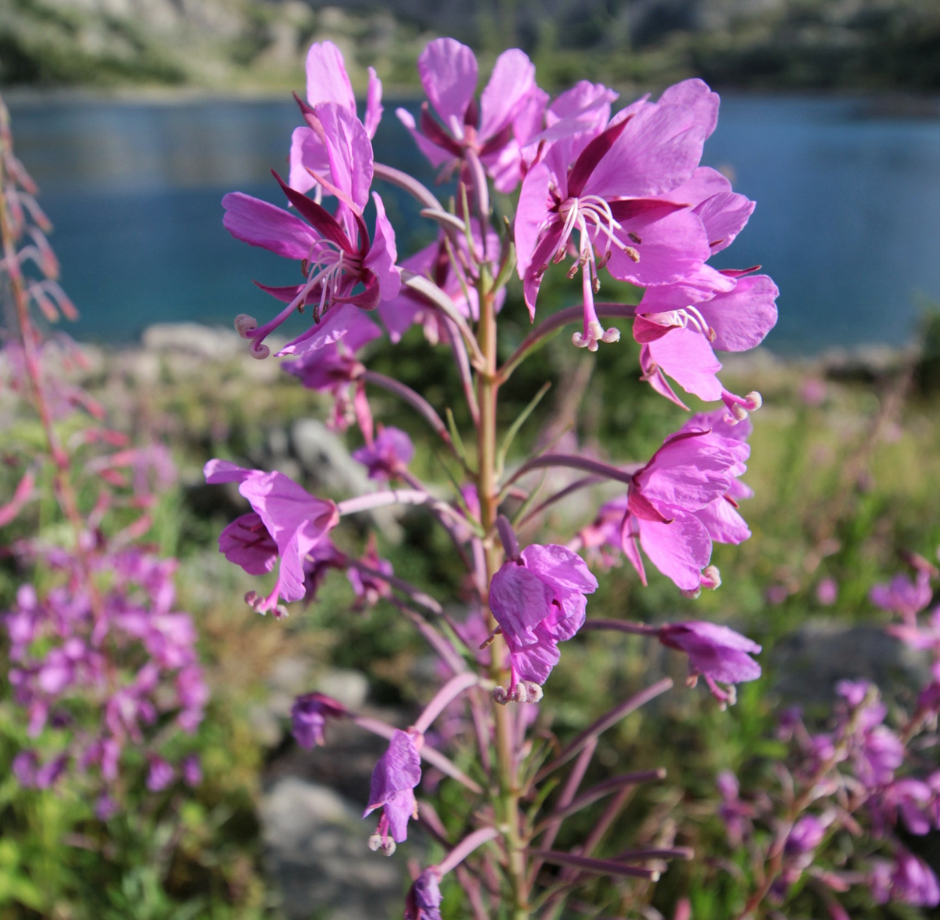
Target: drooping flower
161,774
423,901
904,597
448,72
908,879
286,523
335,252
390,452
308,717
539,600
328,82
369,586
334,368
610,185
394,779
681,501
717,653
680,325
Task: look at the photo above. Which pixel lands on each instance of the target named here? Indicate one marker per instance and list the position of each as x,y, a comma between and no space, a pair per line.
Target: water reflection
848,217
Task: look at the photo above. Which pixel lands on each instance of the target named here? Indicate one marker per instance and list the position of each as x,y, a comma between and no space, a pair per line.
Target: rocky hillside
259,44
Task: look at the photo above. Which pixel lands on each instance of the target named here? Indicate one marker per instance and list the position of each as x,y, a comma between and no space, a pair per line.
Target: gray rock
212,343
811,661
316,853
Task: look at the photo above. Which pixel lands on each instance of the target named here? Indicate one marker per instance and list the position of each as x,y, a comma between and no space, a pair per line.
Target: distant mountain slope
252,44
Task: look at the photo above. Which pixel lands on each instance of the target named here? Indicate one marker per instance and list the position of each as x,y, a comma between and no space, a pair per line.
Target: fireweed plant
848,806
621,193
103,664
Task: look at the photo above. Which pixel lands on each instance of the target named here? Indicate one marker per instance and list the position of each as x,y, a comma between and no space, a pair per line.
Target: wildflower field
614,651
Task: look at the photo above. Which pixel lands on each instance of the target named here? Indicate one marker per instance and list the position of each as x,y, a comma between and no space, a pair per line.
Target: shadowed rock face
316,853
811,661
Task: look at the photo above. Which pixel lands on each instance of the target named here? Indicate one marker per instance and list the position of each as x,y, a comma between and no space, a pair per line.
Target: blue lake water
847,222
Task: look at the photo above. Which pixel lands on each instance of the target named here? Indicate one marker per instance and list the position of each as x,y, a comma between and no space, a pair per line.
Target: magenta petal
333,326
350,152
723,523
520,600
531,213
247,543
512,80
319,217
383,254
560,567
659,149
673,246
535,662
373,104
448,73
724,216
679,550
544,252
261,224
714,651
691,470
742,317
687,357
327,80
217,471
306,153
436,155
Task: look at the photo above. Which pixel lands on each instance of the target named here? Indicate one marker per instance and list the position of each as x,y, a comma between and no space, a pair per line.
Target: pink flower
423,901
909,880
335,252
387,455
392,789
609,185
717,653
827,591
287,522
674,506
903,597
539,600
308,717
369,588
333,368
328,82
679,325
160,776
491,129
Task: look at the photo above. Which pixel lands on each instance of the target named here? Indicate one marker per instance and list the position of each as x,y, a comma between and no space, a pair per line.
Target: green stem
508,794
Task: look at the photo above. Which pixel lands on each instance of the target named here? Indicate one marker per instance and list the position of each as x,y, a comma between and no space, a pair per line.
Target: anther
632,253
635,238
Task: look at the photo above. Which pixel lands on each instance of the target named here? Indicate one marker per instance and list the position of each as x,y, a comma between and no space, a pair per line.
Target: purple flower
676,506
369,588
902,596
286,522
333,368
308,717
539,600
717,653
909,880
491,129
328,82
335,253
609,184
394,778
733,812
192,770
805,836
161,774
105,807
682,323
389,453
24,768
827,591
423,901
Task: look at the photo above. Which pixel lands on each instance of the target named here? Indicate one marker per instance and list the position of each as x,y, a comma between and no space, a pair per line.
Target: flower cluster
859,778
102,662
597,188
